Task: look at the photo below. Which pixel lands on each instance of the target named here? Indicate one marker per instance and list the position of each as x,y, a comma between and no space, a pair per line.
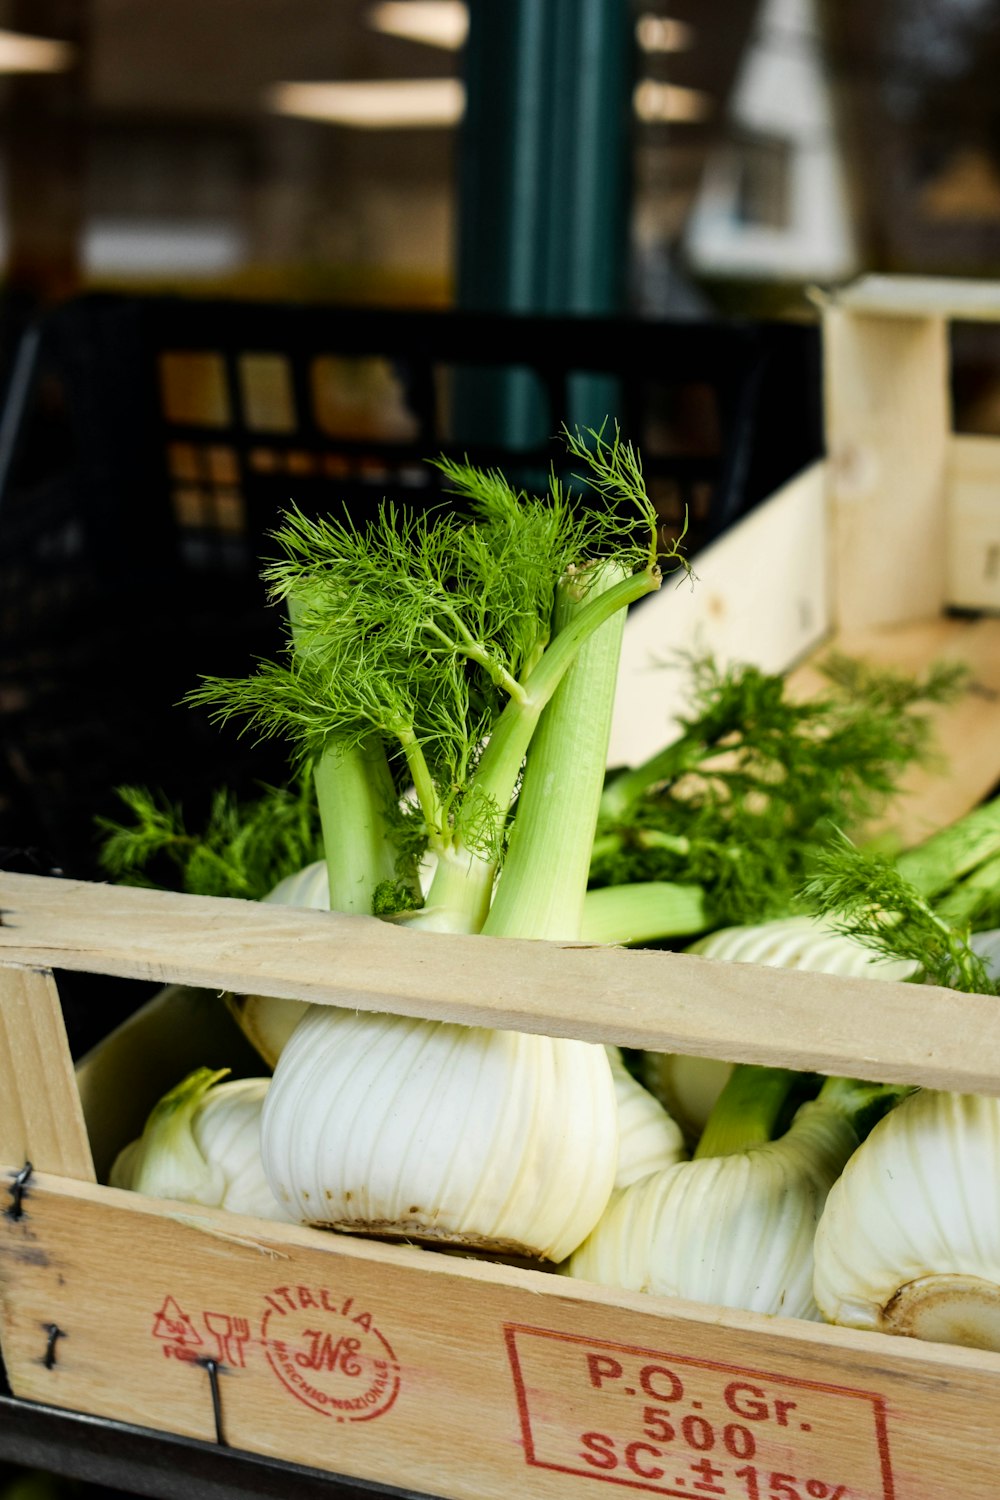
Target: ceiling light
662,34
440,23
384,104
658,103
34,54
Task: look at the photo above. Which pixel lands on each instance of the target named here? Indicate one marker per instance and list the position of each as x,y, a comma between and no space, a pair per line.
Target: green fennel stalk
544,879
355,794
355,798
431,636
758,1104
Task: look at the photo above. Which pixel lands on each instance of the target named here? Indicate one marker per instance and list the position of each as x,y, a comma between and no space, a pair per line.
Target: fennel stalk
433,637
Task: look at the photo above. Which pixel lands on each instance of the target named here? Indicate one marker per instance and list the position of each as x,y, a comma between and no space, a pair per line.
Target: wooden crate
887,548
472,1380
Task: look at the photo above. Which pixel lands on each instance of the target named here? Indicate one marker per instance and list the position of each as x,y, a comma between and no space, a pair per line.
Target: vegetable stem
627,787
459,895
424,787
354,790
755,1105
643,913
951,853
758,1104
477,652
495,779
544,880
979,891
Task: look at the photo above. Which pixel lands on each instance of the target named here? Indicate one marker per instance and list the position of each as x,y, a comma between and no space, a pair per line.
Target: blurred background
263,251
324,148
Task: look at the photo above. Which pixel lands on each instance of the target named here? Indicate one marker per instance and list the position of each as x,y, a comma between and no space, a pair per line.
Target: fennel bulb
267,1021
201,1144
800,943
733,1230
648,1139
909,1240
688,1087
441,1133
481,650
308,888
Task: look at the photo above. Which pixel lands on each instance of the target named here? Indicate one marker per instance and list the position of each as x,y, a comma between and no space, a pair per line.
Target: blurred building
302,148
773,201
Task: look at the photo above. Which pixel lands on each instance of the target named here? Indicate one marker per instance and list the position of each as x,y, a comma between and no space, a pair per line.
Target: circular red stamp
326,1350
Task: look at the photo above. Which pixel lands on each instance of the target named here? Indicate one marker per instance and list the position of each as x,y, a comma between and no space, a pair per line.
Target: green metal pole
544,187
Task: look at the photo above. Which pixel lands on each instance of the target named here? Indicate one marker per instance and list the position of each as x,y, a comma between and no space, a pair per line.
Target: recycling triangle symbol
173,1324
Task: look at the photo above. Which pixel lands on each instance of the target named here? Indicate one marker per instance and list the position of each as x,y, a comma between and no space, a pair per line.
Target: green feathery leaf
244,849
423,627
756,781
867,898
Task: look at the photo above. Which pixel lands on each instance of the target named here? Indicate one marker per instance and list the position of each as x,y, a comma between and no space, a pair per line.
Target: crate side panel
41,1119
974,523
759,594
888,423
965,767
463,1379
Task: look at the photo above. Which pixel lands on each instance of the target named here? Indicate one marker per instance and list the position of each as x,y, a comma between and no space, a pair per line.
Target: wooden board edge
758,594
673,1002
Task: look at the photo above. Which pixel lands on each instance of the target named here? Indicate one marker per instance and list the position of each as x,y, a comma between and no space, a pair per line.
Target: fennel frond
756,780
432,634
867,898
243,850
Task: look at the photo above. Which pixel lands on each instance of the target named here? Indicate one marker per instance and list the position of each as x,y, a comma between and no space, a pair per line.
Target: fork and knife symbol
231,1335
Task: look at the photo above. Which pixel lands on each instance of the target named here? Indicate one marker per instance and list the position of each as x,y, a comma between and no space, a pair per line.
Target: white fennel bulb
267,1021
308,887
648,1139
688,1087
909,1241
733,1230
801,943
437,1132
201,1144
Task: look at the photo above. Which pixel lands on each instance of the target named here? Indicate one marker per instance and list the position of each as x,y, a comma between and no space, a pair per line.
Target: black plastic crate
149,444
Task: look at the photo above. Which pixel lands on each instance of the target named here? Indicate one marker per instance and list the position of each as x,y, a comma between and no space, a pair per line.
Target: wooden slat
490,1376
966,733
759,594
888,432
974,522
41,1119
666,1002
176,1031
923,297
